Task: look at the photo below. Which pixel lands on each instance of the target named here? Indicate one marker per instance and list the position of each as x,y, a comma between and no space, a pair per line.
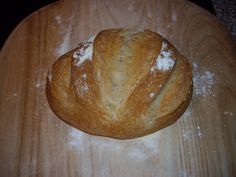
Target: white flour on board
188,129
137,149
65,32
39,83
131,8
75,138
228,113
174,16
203,82
58,19
149,14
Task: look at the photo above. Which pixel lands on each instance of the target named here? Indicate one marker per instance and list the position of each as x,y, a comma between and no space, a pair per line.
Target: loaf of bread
121,84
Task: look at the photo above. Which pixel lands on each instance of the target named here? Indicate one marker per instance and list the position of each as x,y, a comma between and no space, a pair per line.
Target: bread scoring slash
121,84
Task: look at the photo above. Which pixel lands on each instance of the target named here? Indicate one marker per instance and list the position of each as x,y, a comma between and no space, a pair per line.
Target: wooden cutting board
34,142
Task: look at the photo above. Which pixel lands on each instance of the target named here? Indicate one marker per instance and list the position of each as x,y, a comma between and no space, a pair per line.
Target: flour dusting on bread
164,61
83,88
85,51
152,95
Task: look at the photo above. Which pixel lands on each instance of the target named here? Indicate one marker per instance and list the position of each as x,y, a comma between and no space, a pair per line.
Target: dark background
14,11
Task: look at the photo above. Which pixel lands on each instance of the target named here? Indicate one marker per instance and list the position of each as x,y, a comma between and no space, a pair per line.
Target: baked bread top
120,83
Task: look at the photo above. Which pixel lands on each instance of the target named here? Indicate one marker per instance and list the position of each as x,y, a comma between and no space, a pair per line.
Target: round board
35,142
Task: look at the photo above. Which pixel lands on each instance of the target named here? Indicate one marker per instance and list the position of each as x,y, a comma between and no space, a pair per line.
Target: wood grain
34,142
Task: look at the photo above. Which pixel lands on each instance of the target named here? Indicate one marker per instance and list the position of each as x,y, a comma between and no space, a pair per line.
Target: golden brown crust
124,89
